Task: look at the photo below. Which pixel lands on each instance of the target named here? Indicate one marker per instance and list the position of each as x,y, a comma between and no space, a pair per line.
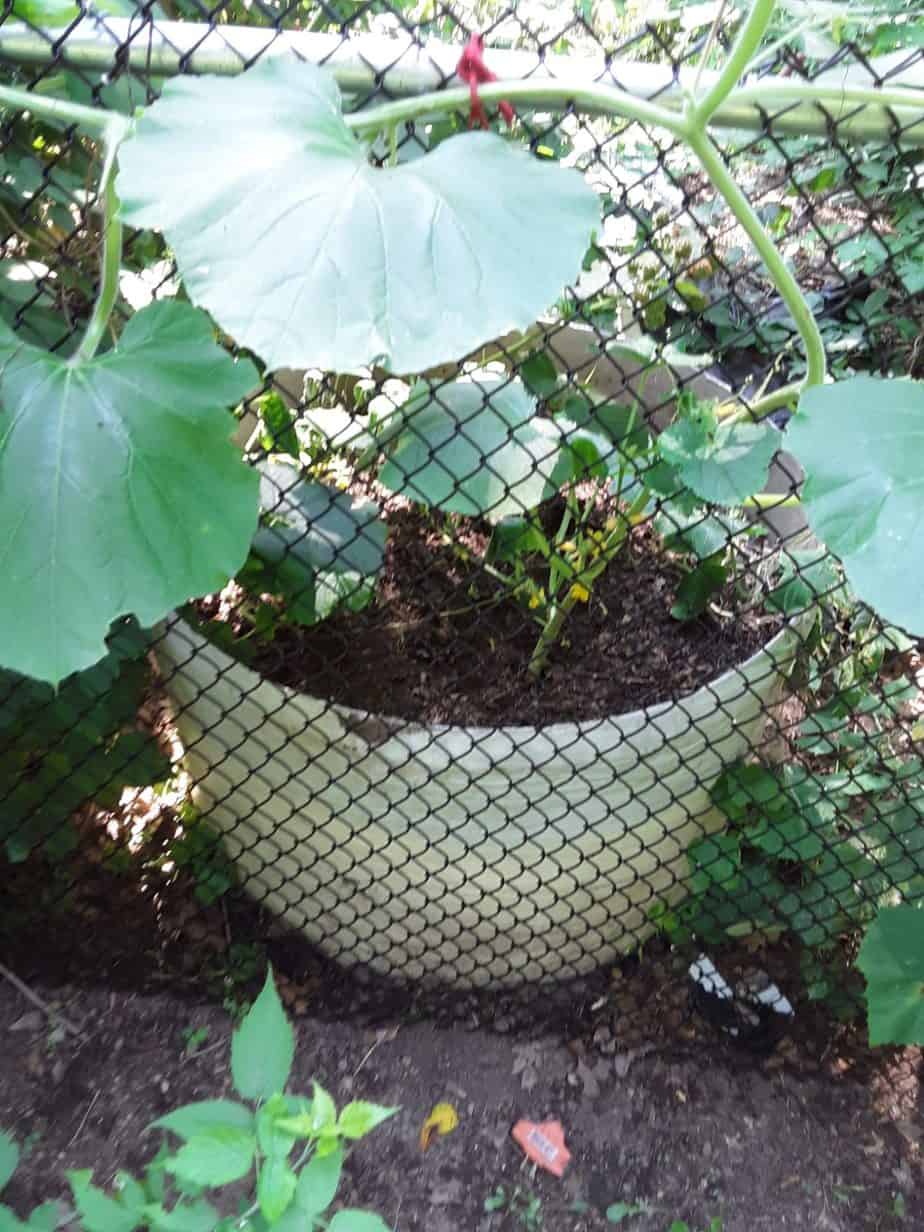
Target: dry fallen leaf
442,1120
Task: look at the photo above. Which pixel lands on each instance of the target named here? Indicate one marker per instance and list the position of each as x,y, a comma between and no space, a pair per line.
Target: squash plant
120,489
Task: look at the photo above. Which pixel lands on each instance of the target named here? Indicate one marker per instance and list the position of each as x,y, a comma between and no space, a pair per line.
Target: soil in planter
437,645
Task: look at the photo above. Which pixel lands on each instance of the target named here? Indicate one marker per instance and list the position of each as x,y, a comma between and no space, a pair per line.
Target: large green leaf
316,547
472,447
333,531
861,443
892,959
309,255
120,490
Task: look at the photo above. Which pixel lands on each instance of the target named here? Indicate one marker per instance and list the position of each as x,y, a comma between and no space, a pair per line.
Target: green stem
110,129
710,158
759,409
551,630
746,45
100,123
110,265
830,96
606,100
557,574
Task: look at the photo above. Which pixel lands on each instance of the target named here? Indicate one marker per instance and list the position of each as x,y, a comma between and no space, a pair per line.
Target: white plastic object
471,856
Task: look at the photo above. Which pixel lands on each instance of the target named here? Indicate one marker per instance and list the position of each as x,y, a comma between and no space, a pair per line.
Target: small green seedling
619,1211
194,1038
288,1150
522,1205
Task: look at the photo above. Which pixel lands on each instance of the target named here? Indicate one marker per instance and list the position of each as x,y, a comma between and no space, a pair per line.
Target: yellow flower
535,599
580,593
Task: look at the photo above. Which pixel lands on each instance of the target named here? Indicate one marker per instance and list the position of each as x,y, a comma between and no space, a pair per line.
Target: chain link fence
499,711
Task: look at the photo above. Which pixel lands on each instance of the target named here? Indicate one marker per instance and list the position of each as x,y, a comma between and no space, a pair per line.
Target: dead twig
36,1000
386,1035
83,1122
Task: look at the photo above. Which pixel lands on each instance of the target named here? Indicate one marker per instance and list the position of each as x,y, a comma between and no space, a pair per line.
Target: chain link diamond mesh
719,754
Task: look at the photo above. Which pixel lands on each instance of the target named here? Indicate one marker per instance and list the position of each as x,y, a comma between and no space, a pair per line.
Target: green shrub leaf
724,464
317,1183
10,1222
120,490
275,1188
807,575
358,1118
279,421
696,530
347,265
323,1110
539,374
207,1114
9,1157
197,1216
275,1140
98,1211
214,1156
715,862
262,1047
46,1218
697,587
892,959
860,444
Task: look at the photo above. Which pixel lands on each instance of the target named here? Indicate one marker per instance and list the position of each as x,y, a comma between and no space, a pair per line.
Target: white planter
471,856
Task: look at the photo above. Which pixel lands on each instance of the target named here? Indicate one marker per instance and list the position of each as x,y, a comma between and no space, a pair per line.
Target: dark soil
131,922
682,1136
436,645
657,1105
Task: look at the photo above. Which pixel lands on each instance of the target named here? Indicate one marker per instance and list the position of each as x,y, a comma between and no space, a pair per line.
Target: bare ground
693,1133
